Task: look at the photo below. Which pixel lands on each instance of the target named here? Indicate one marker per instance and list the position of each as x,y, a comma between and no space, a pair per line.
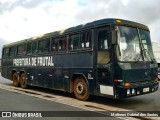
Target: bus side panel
66,65
57,76
6,68
87,73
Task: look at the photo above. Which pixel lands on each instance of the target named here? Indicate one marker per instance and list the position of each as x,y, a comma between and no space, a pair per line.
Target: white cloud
125,2
21,19
142,11
21,22
11,1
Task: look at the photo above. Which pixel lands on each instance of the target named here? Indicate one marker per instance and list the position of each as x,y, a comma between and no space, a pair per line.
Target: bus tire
23,81
81,90
15,79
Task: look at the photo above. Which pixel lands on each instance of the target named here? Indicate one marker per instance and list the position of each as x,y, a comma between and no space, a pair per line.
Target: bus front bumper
124,92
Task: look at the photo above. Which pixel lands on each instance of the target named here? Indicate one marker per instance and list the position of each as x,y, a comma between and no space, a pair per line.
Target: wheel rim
23,80
15,80
81,91
80,88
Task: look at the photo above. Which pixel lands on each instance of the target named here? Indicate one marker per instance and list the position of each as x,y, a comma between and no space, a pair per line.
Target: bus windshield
130,47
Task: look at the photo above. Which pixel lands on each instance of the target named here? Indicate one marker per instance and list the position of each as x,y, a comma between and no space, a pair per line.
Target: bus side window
21,49
103,56
70,44
75,42
40,46
12,51
86,39
62,44
44,46
29,48
102,40
47,45
34,47
5,52
54,44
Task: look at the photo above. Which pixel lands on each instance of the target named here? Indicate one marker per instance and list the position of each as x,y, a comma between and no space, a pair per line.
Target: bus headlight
138,92
133,91
128,92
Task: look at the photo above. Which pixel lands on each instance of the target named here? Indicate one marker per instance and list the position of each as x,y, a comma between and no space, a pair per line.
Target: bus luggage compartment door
105,81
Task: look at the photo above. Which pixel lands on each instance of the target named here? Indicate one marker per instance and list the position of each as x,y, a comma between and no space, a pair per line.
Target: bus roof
94,24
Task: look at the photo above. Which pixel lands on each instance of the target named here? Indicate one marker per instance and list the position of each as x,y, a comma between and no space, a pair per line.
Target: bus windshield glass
147,51
130,48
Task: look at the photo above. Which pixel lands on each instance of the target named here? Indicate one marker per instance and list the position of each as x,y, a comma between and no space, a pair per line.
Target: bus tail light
156,77
118,80
127,84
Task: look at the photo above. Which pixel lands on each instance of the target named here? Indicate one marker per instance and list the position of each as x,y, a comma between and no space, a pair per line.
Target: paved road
14,101
11,101
3,80
148,102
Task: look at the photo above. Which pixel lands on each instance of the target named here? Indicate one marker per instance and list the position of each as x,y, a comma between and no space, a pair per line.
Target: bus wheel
23,81
15,79
81,91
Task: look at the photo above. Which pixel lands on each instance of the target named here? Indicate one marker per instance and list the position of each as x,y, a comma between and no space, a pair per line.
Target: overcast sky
20,19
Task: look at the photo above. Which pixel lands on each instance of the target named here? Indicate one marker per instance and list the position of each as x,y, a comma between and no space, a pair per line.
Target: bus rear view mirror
114,37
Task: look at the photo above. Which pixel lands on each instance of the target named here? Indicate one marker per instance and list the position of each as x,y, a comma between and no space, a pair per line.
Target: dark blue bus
109,57
158,70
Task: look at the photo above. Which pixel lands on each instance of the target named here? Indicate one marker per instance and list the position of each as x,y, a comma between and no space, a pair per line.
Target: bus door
104,63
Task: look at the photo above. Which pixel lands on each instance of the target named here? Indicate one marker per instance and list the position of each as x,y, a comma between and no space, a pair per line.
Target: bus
107,57
158,70
0,64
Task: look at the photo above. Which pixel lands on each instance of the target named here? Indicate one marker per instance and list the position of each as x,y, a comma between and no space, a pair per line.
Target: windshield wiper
152,59
119,51
146,53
